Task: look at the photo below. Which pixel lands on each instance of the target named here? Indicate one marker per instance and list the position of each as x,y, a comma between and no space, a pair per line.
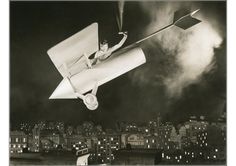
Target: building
106,146
18,141
150,142
163,137
50,139
71,140
136,140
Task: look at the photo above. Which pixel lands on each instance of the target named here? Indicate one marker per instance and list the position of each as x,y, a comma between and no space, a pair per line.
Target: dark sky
37,26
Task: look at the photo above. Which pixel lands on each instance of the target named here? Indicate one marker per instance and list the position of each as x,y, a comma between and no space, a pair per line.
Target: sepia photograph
118,83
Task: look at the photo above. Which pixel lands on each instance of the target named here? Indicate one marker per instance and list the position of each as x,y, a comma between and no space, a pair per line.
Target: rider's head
104,46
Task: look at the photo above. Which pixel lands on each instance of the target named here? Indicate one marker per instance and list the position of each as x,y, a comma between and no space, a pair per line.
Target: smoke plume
193,48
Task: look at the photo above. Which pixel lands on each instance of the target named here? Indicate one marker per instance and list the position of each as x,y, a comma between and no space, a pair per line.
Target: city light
163,155
104,145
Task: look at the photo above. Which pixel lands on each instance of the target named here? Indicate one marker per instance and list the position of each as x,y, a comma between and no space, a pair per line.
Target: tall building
35,142
163,137
106,145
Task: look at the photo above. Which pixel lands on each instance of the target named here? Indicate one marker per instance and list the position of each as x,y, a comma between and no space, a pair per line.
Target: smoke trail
120,14
193,48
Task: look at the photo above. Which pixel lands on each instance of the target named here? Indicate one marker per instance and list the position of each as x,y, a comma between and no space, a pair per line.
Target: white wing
68,55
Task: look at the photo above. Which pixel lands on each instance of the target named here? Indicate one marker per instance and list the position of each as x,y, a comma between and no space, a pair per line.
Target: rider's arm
117,46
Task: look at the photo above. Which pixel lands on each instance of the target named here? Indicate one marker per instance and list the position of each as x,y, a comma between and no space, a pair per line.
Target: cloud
193,49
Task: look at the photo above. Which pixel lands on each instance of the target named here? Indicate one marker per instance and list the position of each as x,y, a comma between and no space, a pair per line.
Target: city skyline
195,141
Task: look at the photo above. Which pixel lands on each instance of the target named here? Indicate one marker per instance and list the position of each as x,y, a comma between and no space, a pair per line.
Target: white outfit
101,55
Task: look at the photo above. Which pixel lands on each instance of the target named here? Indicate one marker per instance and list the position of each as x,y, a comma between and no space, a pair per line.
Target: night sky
136,96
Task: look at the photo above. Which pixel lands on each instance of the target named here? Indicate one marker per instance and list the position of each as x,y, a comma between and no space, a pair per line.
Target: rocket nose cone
64,91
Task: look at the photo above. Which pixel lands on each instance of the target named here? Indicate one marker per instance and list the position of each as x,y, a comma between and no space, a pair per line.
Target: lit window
24,139
163,155
147,141
99,142
16,139
148,146
216,150
111,138
153,141
214,156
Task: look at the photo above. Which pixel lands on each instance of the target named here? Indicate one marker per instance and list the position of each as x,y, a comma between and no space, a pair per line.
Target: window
17,139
